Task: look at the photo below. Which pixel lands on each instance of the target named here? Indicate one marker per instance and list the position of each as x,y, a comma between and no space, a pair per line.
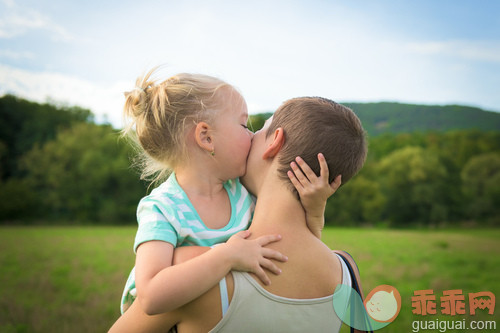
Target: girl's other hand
313,190
252,255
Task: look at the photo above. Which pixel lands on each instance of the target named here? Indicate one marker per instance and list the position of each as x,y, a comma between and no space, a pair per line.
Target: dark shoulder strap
355,277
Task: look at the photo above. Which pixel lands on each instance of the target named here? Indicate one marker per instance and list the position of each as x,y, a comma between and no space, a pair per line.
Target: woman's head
161,114
313,125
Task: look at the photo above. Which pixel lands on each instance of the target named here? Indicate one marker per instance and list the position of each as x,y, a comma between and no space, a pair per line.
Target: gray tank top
254,309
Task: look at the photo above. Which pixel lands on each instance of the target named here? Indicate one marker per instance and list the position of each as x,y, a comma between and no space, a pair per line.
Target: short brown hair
314,125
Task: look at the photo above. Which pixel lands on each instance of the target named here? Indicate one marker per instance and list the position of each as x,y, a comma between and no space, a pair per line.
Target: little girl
194,126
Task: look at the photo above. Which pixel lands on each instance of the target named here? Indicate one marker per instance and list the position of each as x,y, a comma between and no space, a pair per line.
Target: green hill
387,117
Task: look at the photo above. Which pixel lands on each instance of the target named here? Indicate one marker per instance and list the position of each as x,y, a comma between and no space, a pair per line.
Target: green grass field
70,279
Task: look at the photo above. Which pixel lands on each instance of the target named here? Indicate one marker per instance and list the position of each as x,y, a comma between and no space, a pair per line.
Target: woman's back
311,271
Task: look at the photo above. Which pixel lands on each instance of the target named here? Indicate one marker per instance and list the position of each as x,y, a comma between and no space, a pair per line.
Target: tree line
58,166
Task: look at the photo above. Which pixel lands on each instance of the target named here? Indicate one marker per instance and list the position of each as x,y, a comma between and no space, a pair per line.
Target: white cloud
15,55
466,49
17,20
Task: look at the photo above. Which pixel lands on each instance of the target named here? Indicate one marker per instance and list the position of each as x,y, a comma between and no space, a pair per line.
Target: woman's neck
278,211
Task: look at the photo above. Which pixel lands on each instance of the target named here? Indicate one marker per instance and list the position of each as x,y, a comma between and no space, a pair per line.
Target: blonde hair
158,116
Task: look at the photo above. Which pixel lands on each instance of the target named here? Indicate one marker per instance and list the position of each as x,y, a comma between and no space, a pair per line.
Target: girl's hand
252,255
313,190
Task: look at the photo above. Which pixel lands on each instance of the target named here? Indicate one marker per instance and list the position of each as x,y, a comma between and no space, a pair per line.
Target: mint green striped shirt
167,215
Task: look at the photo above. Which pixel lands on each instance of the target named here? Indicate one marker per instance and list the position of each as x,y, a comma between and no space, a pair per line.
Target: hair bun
135,103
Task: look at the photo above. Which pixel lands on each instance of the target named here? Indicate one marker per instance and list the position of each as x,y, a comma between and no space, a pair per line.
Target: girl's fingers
324,172
264,240
336,183
294,181
259,272
273,254
298,173
305,168
304,173
268,264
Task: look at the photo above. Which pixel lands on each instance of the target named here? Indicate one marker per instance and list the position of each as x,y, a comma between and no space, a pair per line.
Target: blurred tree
25,123
413,181
256,121
17,200
461,146
360,202
84,175
481,187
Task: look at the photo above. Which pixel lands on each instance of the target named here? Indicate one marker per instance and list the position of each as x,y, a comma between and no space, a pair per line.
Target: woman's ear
277,142
202,136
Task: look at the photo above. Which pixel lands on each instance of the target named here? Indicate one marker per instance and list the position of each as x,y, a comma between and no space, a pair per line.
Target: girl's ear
276,144
202,136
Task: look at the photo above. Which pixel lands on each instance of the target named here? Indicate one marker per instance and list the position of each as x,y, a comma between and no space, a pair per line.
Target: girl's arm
186,253
313,190
162,287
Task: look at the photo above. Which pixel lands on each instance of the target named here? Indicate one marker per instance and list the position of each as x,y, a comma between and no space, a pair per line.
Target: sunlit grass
70,279
62,279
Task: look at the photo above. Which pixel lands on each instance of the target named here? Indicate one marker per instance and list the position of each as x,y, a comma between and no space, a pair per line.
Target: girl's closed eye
244,126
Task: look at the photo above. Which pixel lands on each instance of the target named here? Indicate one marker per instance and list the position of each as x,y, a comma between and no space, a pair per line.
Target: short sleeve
156,222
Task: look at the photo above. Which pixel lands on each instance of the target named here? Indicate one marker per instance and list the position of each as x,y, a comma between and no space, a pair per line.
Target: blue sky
88,53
